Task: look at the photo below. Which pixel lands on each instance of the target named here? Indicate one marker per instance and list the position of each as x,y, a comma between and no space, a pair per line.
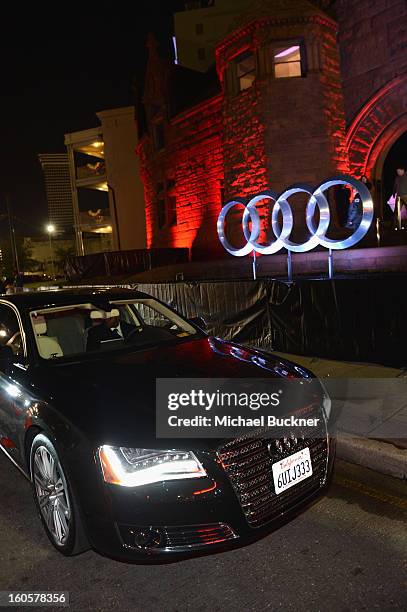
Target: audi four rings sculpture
282,232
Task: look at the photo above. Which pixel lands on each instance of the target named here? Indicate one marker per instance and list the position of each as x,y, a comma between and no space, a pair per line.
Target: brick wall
276,133
193,159
284,131
373,46
246,171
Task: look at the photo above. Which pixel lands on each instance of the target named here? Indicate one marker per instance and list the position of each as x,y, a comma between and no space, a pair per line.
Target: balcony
95,221
92,176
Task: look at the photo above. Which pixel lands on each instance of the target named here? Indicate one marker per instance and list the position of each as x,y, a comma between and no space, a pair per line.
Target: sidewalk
372,426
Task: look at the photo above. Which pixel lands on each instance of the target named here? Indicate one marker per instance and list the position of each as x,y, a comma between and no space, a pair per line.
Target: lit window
287,62
201,54
199,28
246,70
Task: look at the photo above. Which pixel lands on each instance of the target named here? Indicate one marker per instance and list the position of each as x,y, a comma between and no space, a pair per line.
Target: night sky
63,62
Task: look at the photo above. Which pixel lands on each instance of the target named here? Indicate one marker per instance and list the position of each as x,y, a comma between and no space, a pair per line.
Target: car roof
60,297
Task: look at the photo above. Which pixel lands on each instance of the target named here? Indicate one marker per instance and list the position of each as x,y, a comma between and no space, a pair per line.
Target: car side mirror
6,358
199,322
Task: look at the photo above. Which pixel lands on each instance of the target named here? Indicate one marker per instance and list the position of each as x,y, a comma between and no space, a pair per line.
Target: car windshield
81,328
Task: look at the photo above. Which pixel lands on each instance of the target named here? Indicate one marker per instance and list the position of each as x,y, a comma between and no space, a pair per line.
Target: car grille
175,537
198,535
248,463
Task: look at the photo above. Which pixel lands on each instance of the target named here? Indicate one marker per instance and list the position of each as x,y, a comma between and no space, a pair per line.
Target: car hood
110,398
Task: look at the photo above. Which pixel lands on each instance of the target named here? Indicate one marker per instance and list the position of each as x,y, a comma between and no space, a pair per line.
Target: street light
51,230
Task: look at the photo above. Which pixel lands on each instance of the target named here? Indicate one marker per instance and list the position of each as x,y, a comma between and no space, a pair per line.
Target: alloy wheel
52,494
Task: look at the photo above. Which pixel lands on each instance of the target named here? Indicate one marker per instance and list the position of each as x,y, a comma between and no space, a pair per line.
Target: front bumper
172,520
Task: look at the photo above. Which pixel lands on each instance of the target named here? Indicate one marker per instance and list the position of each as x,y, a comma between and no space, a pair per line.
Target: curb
379,456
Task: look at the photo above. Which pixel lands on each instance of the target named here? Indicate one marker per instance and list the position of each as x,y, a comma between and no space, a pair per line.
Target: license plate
292,469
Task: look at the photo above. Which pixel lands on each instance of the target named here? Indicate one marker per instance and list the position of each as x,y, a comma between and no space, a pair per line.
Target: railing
91,170
93,219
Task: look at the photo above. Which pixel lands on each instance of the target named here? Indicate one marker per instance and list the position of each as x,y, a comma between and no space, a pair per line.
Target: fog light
149,537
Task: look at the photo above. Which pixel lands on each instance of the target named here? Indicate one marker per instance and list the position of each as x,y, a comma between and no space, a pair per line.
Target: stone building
299,91
372,38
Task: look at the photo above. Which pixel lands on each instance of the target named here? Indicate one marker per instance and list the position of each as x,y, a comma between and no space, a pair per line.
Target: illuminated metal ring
250,236
317,233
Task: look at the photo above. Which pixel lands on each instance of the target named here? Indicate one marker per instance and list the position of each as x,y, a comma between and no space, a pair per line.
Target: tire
53,496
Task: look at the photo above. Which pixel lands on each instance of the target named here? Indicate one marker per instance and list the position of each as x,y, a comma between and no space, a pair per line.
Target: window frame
239,59
286,44
171,203
161,212
17,313
162,308
158,135
159,198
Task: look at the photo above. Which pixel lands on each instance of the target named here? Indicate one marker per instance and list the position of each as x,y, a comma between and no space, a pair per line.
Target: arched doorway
372,134
395,157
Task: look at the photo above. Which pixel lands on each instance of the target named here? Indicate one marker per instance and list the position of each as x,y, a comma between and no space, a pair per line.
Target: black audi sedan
77,417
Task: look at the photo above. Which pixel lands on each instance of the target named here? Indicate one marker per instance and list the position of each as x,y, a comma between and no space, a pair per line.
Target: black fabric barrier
357,319
116,263
87,266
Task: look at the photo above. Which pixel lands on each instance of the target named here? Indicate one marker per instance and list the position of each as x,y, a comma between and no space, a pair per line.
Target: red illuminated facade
260,123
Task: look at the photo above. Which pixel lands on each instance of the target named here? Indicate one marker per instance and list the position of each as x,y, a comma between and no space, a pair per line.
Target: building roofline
83,136
196,108
114,112
252,25
52,156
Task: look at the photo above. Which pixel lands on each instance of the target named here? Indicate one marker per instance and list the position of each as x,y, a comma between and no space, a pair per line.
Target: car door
12,395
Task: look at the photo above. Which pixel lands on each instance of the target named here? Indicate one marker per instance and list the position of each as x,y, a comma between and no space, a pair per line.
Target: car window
148,315
10,334
84,328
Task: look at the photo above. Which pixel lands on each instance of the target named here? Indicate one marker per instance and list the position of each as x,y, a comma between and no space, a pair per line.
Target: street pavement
370,403
347,552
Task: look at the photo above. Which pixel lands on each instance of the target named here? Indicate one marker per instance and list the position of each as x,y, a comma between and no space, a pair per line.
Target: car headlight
132,467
